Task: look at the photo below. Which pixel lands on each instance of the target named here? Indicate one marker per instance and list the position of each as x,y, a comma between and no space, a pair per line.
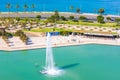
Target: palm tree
108,19
25,7
78,10
117,20
33,7
56,14
101,11
95,10
71,8
117,12
17,7
8,6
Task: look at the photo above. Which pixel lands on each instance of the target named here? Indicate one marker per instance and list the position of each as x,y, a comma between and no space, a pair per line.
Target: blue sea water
86,6
83,62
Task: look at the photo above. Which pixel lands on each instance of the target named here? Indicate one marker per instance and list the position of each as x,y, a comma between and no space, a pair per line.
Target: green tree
33,7
71,17
2,32
78,10
17,19
108,19
25,7
101,11
17,7
51,19
117,20
100,19
83,18
5,37
22,35
95,11
8,6
56,15
38,17
26,19
71,8
63,18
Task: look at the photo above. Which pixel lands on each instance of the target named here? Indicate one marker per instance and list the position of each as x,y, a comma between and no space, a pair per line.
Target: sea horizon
111,7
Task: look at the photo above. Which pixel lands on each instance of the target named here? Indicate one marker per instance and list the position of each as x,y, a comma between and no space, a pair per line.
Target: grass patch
113,25
70,30
48,30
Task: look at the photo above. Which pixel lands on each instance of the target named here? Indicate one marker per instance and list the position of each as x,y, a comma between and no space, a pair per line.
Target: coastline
80,41
47,14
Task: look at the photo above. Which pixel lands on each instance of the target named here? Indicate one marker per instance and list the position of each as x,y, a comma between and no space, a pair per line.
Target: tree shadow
69,66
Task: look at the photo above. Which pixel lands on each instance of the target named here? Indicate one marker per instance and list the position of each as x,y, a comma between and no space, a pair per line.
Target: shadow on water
69,66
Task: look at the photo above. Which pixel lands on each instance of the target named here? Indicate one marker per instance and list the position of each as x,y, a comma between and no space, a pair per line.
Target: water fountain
50,68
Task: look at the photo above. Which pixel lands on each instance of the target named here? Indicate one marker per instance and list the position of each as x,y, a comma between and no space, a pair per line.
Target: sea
83,62
86,6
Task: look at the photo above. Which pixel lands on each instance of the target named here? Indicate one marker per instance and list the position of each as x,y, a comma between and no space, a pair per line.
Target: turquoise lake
86,6
84,62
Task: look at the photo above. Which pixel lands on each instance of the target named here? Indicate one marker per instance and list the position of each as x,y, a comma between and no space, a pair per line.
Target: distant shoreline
47,14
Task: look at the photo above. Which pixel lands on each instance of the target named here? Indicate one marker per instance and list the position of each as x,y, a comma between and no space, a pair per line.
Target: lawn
48,30
113,25
70,30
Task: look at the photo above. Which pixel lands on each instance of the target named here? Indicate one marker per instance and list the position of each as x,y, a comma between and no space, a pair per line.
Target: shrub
63,18
38,17
71,17
117,20
83,18
108,18
75,20
91,21
100,19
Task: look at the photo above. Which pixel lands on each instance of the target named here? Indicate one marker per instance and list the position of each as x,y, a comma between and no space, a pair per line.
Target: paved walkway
48,14
40,42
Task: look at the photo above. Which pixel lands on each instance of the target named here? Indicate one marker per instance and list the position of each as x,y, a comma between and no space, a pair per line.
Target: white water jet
50,68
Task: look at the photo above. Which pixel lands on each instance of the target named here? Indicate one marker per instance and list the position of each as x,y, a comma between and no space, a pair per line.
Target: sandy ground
40,42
